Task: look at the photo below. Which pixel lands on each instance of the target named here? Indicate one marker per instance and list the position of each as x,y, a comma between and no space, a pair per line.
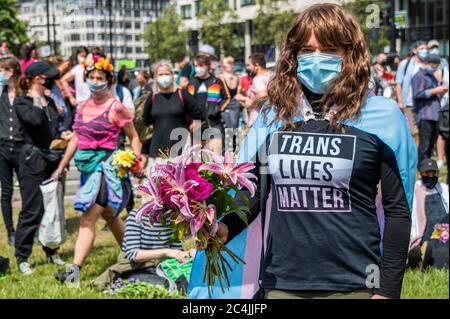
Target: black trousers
9,153
428,133
447,157
34,170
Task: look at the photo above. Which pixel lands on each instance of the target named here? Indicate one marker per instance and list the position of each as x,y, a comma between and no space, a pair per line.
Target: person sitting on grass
144,247
430,208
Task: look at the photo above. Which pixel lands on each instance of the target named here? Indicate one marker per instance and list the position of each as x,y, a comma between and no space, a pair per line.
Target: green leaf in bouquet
173,239
243,197
241,211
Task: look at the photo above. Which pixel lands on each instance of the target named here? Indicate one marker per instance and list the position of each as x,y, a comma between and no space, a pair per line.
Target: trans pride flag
247,245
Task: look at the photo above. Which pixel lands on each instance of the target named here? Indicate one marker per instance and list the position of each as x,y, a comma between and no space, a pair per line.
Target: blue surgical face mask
3,79
316,70
430,69
423,54
94,87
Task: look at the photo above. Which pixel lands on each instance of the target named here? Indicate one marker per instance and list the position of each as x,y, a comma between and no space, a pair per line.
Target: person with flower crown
104,189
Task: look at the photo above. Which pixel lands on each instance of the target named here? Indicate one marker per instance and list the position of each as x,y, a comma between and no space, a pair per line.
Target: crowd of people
54,110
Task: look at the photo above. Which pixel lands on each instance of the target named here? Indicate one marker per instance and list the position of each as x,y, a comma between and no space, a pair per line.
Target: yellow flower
436,234
183,230
121,172
124,159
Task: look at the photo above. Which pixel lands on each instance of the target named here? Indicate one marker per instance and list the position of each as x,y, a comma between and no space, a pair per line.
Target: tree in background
373,17
272,22
219,27
164,38
12,30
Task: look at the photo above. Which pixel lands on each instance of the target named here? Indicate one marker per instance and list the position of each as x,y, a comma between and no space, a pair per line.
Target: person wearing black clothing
38,115
11,138
168,108
233,110
123,78
212,96
324,165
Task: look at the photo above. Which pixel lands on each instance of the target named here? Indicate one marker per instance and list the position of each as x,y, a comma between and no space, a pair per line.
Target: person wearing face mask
167,108
430,207
11,138
322,145
442,73
256,69
102,192
77,76
406,70
427,95
39,117
442,76
212,97
381,85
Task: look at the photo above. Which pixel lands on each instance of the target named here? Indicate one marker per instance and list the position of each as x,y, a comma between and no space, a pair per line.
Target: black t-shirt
212,96
324,233
168,113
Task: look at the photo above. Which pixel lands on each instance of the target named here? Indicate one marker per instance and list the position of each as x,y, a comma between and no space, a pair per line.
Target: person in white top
430,209
77,75
429,185
124,96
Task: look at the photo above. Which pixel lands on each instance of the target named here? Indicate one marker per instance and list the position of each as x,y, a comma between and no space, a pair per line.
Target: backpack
406,68
175,273
443,121
145,133
119,92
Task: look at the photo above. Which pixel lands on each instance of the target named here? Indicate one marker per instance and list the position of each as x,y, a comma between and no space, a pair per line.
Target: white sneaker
25,268
440,163
56,259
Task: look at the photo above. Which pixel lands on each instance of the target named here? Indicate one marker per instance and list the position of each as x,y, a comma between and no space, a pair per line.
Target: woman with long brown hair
11,137
323,144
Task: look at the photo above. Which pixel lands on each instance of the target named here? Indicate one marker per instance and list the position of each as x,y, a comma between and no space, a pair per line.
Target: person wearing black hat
38,115
430,208
427,102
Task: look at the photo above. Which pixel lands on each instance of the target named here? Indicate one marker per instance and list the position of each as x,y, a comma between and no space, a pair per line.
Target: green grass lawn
431,284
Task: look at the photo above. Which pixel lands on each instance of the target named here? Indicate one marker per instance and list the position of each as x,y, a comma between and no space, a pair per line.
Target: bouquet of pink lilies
190,196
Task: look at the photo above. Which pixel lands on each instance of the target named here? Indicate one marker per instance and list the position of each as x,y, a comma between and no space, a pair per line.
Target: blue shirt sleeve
400,72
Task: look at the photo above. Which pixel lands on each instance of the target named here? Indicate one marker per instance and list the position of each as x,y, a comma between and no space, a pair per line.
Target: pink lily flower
188,156
181,187
153,204
231,172
202,214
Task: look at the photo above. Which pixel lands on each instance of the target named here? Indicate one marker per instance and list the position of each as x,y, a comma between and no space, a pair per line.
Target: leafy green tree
219,27
164,38
12,29
368,14
272,23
